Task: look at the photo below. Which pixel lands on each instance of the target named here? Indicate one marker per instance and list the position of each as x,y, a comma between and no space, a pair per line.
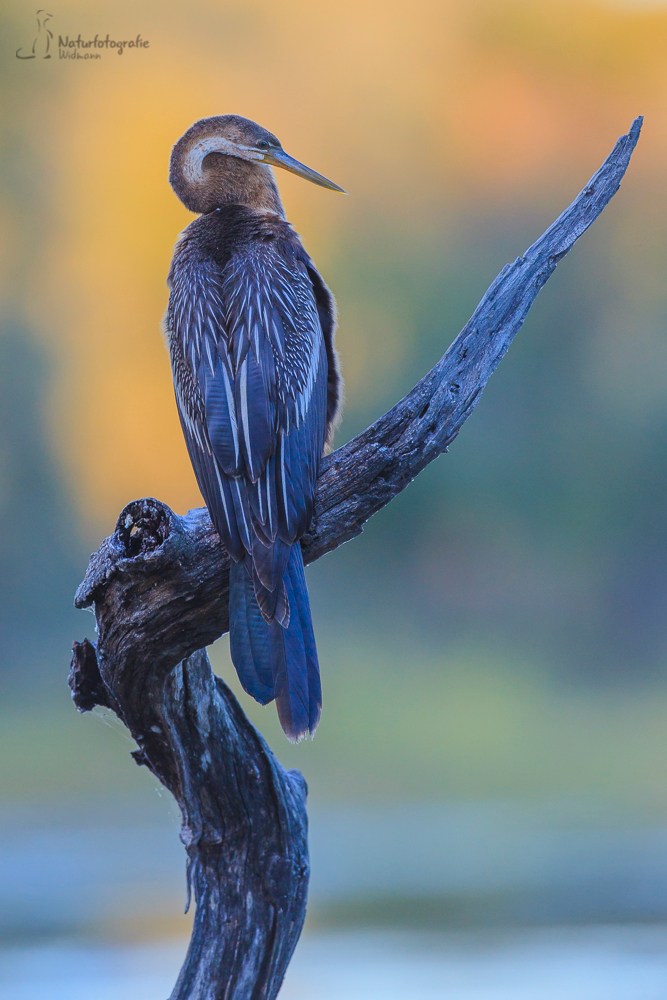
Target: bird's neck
228,180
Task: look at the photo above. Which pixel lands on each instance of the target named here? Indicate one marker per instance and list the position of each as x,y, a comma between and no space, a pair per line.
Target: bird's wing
193,326
252,342
326,310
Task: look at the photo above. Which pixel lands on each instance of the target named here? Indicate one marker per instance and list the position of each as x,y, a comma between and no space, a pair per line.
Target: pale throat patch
192,164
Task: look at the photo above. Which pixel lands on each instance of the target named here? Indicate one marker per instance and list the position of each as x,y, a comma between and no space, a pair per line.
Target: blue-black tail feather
273,661
300,604
249,639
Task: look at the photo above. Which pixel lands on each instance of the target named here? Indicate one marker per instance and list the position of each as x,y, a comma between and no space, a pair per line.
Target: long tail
273,661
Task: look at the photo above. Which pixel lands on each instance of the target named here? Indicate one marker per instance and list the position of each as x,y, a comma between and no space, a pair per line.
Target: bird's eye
261,144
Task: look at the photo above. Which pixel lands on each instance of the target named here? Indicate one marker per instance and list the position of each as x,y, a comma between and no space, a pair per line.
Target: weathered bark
160,589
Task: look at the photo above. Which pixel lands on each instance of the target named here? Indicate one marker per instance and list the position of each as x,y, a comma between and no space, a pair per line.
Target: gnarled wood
160,589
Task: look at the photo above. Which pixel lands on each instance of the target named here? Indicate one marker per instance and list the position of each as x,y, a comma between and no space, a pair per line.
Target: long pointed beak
279,158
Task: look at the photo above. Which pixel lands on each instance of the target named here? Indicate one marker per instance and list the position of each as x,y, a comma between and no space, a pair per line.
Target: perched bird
250,326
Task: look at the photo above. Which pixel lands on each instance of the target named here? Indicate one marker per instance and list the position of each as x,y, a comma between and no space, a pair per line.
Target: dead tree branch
159,585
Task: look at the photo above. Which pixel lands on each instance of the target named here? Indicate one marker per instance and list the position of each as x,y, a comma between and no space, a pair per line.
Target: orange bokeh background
425,112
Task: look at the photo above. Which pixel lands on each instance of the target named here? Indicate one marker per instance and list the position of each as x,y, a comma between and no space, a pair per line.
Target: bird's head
227,160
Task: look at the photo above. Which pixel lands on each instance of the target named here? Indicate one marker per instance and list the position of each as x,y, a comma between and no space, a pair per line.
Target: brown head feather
218,162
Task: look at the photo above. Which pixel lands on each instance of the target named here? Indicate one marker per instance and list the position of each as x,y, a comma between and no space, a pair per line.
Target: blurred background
488,786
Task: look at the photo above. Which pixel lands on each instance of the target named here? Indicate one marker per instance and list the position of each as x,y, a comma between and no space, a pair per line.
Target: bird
250,327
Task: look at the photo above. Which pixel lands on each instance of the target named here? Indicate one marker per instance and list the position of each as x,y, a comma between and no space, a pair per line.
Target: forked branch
160,589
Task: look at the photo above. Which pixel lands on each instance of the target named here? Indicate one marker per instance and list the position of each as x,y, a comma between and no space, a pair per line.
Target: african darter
251,325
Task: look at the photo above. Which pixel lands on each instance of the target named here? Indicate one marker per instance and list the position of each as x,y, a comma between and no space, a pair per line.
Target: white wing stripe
232,414
242,509
222,491
282,477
